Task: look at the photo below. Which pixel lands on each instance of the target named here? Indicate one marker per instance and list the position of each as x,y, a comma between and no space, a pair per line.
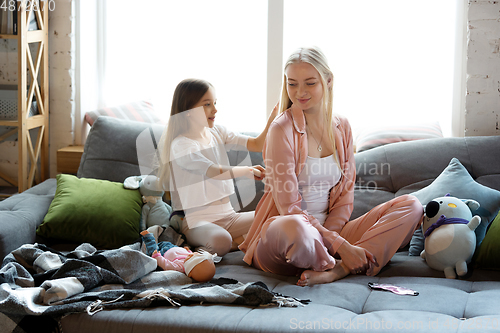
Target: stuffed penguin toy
450,240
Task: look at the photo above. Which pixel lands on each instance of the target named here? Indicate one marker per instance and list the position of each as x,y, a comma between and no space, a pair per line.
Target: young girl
302,221
195,164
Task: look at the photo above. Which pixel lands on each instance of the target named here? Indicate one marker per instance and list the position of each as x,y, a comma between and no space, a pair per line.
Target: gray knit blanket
39,285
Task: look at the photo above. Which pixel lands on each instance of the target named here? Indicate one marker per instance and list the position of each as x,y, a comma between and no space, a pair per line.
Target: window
153,45
393,60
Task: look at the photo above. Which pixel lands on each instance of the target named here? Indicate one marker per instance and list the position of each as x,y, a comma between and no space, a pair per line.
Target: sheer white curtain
393,60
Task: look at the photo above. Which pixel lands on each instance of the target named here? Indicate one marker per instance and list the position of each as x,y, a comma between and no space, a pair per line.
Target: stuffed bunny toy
154,211
450,240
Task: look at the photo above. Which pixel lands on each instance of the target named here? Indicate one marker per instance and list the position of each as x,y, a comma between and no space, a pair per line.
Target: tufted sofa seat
347,305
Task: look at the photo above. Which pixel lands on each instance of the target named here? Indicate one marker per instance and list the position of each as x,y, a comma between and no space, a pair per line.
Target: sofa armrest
21,214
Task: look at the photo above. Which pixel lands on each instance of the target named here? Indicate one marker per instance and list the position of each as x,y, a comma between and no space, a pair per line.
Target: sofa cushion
249,191
116,149
488,254
22,213
342,306
94,211
374,137
456,181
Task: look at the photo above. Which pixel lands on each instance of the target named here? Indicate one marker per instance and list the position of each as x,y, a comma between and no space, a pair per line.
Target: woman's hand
357,259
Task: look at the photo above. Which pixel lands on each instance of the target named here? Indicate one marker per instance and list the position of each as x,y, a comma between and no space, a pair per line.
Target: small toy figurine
199,265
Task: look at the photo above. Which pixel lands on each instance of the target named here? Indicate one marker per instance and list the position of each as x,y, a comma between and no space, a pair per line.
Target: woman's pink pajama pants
291,244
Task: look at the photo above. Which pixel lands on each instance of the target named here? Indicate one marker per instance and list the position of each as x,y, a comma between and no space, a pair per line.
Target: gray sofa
348,305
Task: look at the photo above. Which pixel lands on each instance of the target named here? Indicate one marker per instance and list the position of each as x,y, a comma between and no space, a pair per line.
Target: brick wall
483,69
62,78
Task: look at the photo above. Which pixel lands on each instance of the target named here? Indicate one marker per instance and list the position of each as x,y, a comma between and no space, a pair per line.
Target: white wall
483,71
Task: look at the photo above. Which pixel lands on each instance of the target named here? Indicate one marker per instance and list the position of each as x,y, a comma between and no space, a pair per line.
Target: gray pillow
116,149
456,180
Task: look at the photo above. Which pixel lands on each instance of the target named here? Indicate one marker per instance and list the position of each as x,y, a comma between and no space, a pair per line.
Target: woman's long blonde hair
186,95
315,57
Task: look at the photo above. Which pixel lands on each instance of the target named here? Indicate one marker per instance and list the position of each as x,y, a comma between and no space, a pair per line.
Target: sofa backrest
116,149
405,167
111,152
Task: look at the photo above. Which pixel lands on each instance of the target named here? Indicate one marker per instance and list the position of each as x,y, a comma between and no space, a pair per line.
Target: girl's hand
256,144
275,111
357,259
258,172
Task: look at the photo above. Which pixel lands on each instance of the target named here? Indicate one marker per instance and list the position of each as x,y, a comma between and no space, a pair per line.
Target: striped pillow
371,138
137,111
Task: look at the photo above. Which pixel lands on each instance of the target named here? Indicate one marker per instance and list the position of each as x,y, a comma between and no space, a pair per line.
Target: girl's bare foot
309,277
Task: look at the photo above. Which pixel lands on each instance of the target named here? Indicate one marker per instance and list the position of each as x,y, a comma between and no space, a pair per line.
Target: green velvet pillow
99,212
488,254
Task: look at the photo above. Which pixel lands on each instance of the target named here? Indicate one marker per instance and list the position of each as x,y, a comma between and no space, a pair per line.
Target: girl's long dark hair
186,95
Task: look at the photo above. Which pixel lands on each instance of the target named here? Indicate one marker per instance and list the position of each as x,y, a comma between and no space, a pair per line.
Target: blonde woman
195,168
301,224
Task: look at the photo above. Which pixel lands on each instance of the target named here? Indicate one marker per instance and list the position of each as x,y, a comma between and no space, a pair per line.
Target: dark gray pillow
115,148
247,192
457,181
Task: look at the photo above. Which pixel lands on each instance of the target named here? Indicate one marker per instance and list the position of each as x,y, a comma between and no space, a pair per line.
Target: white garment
315,182
190,161
211,212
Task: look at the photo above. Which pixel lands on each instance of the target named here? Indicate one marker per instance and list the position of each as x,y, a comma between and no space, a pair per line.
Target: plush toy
176,220
450,240
154,211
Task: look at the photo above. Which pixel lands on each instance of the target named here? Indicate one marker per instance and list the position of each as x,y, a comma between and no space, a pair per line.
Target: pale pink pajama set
286,239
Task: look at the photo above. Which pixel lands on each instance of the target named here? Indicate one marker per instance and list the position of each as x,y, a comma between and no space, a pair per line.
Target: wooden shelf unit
33,157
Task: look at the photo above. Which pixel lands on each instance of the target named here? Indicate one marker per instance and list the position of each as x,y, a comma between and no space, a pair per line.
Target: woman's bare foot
309,277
